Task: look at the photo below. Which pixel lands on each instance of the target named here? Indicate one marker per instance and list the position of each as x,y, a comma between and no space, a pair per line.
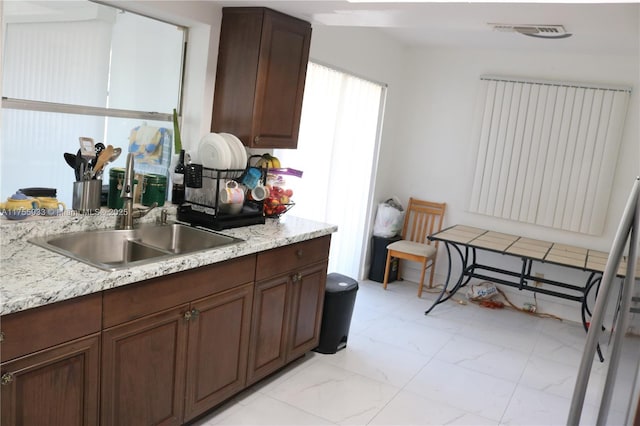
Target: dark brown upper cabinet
262,65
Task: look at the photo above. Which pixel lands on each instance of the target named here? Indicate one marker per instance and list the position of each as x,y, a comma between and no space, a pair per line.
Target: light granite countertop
32,276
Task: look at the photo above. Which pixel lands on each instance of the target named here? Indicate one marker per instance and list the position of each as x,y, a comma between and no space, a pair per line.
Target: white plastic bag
389,219
482,291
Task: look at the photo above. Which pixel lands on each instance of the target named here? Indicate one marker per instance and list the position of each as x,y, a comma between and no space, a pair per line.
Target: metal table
465,241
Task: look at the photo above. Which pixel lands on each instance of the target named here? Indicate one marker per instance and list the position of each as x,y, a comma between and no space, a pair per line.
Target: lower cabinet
286,319
218,347
267,351
57,386
50,371
166,350
307,301
143,370
169,367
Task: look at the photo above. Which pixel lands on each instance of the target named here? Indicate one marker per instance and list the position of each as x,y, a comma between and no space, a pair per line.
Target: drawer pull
187,316
299,253
6,379
195,313
296,277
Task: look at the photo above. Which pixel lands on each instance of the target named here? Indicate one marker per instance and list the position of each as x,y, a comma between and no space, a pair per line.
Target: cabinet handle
6,379
299,253
256,139
296,277
1,336
191,315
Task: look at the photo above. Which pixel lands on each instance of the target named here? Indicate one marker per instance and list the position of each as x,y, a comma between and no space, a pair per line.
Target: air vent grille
550,31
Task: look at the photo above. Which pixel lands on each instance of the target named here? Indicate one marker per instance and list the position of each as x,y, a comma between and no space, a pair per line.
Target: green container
116,178
154,189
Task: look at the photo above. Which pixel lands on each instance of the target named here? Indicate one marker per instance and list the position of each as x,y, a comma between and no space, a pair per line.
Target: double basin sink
112,249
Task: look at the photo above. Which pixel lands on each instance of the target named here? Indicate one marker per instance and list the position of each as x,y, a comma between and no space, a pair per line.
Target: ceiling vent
539,31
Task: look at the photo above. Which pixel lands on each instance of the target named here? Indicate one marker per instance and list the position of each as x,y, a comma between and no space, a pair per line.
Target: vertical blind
68,62
336,150
547,152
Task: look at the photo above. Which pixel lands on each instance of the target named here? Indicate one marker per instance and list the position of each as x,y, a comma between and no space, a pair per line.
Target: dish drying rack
202,204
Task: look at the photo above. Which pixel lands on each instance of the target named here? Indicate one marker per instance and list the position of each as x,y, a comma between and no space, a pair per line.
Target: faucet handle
138,212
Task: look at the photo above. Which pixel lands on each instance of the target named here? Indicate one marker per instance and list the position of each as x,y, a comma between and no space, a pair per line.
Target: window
337,151
547,151
76,69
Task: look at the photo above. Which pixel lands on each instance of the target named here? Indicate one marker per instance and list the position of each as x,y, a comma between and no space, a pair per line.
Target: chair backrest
422,219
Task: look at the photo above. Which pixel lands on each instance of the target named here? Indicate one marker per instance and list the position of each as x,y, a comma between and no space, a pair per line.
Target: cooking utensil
115,155
70,159
78,165
82,165
99,148
87,147
104,157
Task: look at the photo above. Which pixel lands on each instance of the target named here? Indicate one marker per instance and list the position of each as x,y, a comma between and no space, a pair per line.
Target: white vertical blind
336,151
547,152
71,66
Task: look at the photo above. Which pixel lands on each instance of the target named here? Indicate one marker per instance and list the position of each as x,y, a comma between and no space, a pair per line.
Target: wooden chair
422,218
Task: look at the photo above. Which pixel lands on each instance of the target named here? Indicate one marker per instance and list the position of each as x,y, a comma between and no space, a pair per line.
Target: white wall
436,152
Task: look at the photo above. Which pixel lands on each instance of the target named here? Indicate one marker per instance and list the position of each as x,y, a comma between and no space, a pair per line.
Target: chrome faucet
125,218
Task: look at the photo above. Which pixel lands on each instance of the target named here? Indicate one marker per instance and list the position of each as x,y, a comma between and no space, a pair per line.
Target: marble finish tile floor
460,365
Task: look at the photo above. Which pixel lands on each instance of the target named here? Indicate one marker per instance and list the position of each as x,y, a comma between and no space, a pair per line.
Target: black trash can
379,259
339,299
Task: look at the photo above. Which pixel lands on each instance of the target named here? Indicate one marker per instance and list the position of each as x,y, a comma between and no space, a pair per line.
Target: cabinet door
218,347
267,348
282,68
55,386
143,370
307,300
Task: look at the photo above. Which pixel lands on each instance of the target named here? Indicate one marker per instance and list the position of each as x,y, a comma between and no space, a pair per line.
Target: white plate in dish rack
239,154
214,152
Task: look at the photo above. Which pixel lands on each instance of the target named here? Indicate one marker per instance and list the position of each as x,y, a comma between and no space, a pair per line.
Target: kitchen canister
116,178
154,189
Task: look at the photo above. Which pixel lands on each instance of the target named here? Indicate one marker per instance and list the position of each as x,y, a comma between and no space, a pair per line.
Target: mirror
78,68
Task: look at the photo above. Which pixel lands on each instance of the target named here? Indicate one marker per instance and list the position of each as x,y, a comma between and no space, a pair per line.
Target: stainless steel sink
118,249
179,239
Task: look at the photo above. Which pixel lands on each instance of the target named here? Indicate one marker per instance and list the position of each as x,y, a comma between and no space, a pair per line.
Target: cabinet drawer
130,302
39,328
291,257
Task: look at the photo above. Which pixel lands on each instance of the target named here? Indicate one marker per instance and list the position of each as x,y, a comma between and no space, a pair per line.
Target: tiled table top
546,251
